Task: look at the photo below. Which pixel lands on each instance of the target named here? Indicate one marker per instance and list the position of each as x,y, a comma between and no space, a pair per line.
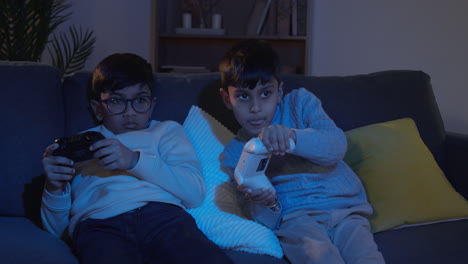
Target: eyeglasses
118,105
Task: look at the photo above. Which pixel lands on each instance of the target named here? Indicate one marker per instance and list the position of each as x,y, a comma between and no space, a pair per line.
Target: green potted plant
27,28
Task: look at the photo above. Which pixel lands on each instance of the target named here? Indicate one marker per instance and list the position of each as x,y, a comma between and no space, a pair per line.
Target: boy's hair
247,63
118,71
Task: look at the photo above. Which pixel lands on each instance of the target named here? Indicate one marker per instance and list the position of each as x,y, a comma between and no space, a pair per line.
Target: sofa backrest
38,108
359,100
32,117
351,101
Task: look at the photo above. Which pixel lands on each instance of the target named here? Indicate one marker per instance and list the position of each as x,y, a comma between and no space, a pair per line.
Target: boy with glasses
127,204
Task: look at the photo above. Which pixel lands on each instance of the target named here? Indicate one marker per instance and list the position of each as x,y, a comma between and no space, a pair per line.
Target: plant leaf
71,50
25,26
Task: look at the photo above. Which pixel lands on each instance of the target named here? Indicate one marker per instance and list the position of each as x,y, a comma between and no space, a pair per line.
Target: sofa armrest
457,165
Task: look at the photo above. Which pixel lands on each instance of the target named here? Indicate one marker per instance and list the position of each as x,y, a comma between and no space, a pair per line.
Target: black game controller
76,147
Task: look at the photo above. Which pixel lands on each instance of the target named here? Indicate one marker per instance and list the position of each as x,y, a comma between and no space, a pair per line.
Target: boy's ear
280,91
225,97
97,109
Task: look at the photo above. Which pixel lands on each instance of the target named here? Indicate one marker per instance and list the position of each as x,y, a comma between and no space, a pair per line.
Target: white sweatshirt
168,171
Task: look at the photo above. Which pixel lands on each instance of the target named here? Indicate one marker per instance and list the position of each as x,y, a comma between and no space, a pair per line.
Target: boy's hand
58,170
276,138
264,196
114,155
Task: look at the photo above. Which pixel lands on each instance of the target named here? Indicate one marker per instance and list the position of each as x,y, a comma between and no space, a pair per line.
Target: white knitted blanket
220,216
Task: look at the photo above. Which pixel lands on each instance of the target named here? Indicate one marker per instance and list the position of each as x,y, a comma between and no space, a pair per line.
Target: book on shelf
283,18
293,17
263,17
258,16
269,28
301,17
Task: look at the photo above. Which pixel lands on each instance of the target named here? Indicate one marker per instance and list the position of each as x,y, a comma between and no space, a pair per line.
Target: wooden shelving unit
208,50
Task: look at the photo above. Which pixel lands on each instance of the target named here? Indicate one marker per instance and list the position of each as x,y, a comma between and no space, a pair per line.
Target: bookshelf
206,50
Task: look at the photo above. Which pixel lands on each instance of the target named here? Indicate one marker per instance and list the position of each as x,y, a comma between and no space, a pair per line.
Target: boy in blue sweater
318,207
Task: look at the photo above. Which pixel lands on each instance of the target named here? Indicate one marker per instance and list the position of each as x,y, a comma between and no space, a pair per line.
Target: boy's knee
355,241
355,221
312,250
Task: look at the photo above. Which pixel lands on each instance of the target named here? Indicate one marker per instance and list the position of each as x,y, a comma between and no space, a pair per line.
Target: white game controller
254,160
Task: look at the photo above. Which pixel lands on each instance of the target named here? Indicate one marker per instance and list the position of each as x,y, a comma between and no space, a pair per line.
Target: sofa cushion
404,184
179,92
220,216
33,118
241,257
23,242
435,243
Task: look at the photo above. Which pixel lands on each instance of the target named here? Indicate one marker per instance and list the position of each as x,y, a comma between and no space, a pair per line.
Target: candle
187,20
216,21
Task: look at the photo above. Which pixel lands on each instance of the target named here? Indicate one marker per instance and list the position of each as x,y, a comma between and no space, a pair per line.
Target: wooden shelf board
231,37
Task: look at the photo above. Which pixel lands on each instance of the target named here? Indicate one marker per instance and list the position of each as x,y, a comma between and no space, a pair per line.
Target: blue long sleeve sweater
313,176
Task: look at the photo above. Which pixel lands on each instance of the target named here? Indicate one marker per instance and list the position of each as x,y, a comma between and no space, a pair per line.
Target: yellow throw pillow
403,182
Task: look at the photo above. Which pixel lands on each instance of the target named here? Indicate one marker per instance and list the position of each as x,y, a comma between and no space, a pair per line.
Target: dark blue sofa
39,107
